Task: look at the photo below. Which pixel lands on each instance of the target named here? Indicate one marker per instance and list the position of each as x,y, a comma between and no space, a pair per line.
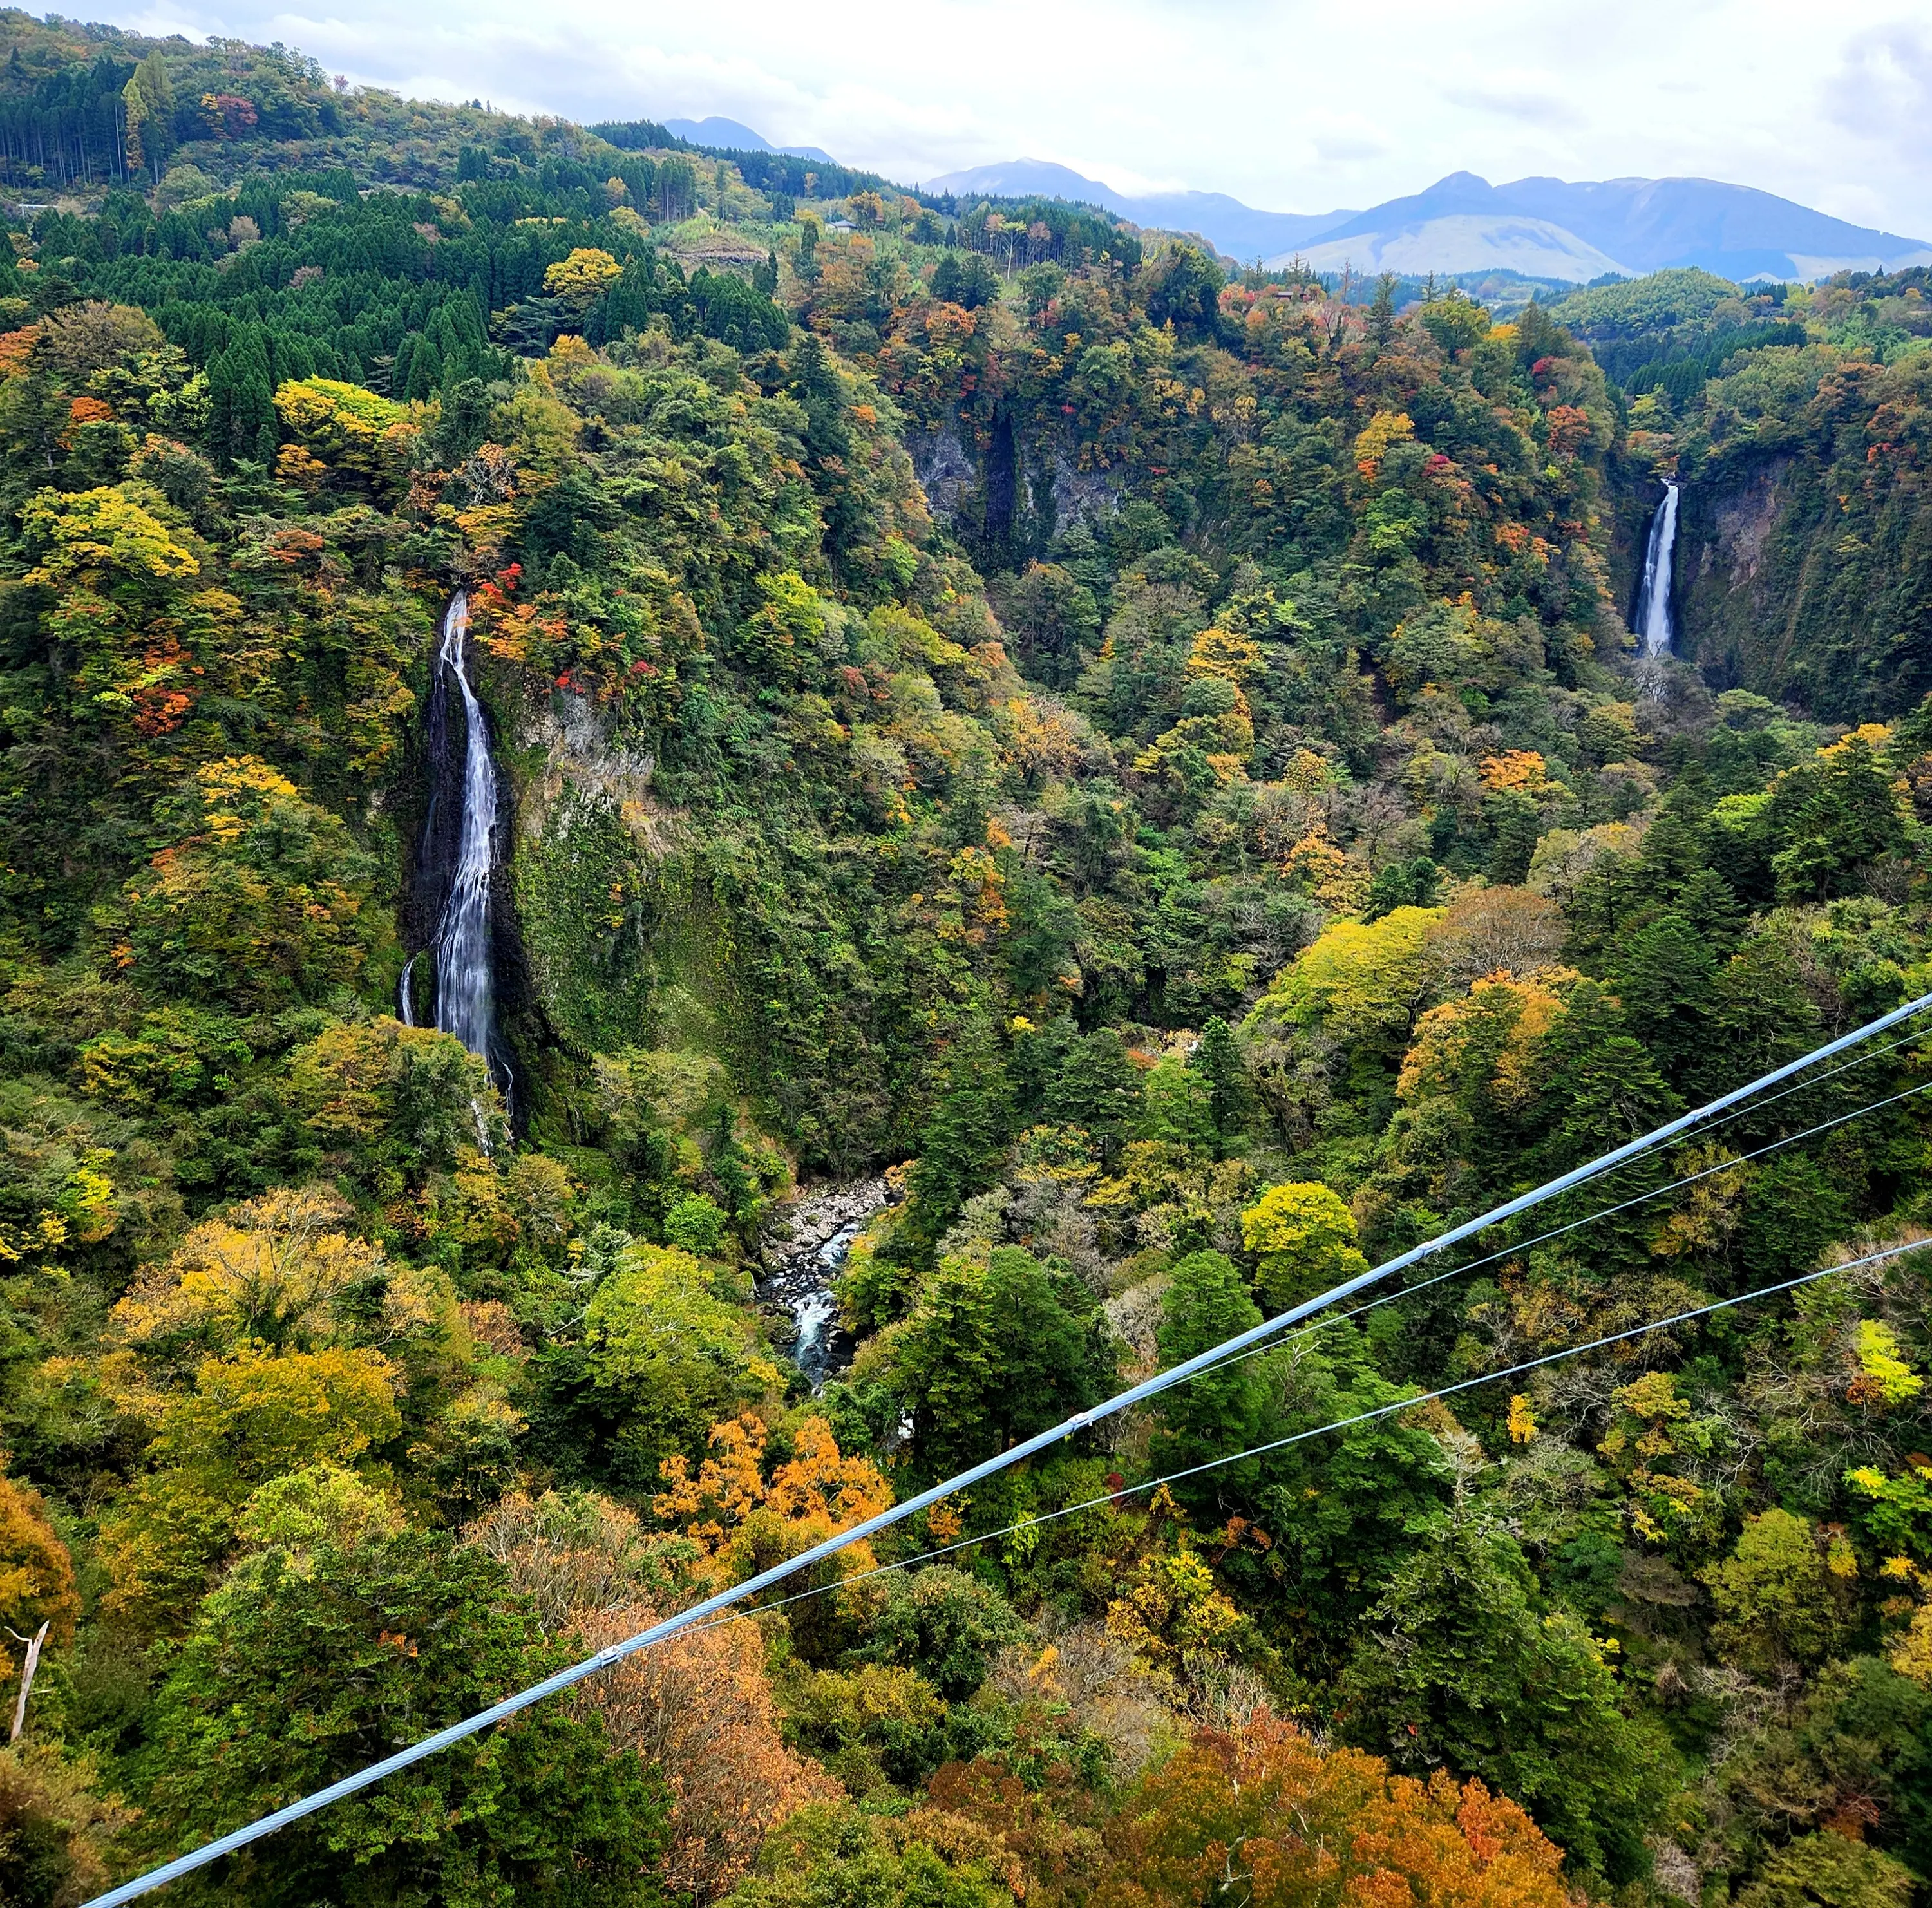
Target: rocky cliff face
1740,593
596,864
1005,503
1807,582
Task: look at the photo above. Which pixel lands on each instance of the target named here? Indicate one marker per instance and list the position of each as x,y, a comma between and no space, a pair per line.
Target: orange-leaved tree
1260,1817
746,1515
700,1708
36,1572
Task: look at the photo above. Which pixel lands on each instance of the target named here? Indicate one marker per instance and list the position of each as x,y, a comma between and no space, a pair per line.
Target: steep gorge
1212,831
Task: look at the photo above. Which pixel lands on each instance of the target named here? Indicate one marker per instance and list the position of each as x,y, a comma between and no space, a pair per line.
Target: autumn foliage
36,1573
699,1707
1262,1817
747,1516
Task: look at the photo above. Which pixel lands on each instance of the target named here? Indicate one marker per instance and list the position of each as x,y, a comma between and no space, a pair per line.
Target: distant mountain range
1543,228
734,136
1229,224
1553,230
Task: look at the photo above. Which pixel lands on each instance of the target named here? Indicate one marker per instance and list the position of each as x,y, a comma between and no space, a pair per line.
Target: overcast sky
1289,105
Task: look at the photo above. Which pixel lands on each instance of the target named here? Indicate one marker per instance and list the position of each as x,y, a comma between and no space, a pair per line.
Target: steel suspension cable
1556,1232
1079,1421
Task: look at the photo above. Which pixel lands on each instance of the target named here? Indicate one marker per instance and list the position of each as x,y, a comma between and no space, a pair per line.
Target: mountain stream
800,1270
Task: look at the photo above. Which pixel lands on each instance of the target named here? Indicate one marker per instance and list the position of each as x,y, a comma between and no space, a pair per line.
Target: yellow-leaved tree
36,1572
1303,1239
274,1271
348,428
273,1340
258,905
582,276
125,571
251,1417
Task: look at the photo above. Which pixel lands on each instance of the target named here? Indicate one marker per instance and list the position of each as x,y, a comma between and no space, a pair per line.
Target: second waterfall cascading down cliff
466,1003
465,984
1655,627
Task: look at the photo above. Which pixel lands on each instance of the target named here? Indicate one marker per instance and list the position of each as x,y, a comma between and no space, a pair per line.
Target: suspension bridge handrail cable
1391,1409
1027,1447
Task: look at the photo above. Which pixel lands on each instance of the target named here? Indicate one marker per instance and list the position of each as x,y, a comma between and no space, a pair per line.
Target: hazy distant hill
1462,222
734,136
1225,222
1543,227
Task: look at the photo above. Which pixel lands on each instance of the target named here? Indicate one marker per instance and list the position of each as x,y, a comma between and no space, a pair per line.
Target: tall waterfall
465,983
1654,622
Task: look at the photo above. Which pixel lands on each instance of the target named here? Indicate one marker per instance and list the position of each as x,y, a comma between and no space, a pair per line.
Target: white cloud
1341,142
1882,91
1283,103
1536,99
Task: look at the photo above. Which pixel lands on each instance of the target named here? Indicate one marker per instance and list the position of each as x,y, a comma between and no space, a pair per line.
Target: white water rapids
465,985
1653,619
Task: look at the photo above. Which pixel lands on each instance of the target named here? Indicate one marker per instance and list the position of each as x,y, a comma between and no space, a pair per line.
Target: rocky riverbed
805,1246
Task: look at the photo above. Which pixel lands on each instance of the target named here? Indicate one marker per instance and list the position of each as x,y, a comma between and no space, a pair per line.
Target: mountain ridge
1232,226
1642,225
1541,226
734,136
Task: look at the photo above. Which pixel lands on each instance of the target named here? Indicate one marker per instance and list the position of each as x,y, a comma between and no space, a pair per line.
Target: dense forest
1135,773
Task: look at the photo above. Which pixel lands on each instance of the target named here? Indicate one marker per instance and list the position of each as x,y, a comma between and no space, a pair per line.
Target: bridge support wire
511,1705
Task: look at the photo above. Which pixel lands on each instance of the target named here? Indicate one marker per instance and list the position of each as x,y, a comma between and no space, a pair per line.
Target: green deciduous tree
995,1350
1179,1106
830,1854
668,1355
1461,1668
1833,1871
1774,1595
293,1676
944,1624
394,1104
